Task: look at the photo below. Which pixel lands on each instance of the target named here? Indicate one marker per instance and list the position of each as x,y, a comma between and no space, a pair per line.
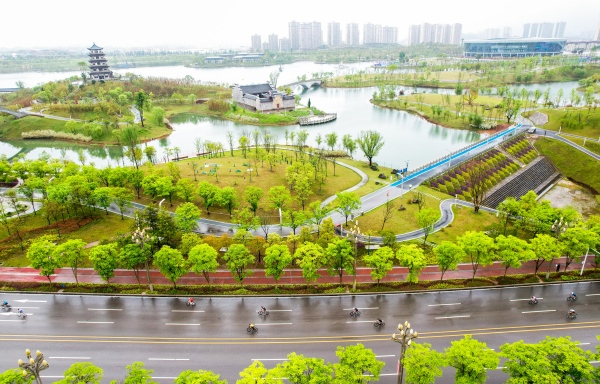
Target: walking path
291,276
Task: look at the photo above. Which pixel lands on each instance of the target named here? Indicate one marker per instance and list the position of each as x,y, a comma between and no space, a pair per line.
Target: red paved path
291,276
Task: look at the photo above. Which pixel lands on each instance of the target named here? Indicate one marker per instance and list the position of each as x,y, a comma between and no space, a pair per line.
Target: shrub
50,134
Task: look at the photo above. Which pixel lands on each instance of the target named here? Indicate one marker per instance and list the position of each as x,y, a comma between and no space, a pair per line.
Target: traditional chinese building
99,69
263,98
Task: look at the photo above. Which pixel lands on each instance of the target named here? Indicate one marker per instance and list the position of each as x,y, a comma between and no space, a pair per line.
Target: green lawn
572,120
465,219
574,164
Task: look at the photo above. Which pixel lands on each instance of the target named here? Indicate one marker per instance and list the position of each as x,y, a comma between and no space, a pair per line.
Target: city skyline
220,26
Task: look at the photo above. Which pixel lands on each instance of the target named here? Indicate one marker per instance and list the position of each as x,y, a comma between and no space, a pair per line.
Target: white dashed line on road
545,310
452,317
182,323
268,359
70,358
166,359
360,321
435,305
104,309
539,298
263,324
359,308
185,310
95,322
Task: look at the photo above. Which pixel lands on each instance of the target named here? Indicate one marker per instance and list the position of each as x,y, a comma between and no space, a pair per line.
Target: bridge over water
17,114
8,90
306,84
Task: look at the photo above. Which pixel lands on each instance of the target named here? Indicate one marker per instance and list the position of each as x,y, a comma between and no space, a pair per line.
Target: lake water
408,138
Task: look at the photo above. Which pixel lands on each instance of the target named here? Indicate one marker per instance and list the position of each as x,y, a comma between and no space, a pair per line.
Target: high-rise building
371,33
317,34
305,33
426,32
334,34
456,34
526,30
559,29
535,30
294,34
546,30
597,37
284,44
389,35
256,43
273,43
492,33
352,34
447,35
414,34
506,32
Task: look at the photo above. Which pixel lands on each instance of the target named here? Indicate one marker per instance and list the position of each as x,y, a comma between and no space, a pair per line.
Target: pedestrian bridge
8,90
306,84
16,114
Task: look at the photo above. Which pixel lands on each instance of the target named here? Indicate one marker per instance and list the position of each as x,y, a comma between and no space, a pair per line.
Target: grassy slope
572,163
589,126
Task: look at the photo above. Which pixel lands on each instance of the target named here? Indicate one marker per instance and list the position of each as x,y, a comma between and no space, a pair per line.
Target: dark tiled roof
256,89
94,47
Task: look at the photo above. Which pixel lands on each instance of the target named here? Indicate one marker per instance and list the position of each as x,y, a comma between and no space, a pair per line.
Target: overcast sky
230,23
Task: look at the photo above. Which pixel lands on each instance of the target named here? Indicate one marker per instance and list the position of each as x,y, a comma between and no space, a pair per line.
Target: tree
158,115
293,219
200,377
317,214
134,257
164,188
553,360
277,258
255,374
413,258
331,139
208,193
370,143
137,374
122,198
82,373
576,241
311,258
141,101
203,259
340,256
104,260
71,253
477,177
228,199
479,247
253,196
171,264
238,257
41,256
302,370
279,196
381,262
509,208
388,211
471,359
28,190
303,188
136,178
448,255
422,364
357,365
103,197
185,189
426,219
150,153
14,376
513,251
545,248
186,217
347,203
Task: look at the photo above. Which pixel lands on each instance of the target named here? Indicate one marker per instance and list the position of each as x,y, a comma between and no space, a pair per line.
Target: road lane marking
452,317
545,310
29,307
10,320
268,359
259,324
160,377
593,294
104,309
68,357
385,356
185,310
350,309
280,310
539,298
182,323
583,343
360,321
166,359
95,322
435,305
30,301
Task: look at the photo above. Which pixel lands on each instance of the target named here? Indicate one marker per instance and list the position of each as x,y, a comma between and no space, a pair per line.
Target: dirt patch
566,193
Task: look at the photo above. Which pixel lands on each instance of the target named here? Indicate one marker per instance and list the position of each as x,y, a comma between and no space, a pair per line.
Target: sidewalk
291,276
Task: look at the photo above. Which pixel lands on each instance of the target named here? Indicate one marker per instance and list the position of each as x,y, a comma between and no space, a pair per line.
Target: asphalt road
170,337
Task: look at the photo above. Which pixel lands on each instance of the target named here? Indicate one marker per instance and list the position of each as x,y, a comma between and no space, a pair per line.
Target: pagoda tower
99,69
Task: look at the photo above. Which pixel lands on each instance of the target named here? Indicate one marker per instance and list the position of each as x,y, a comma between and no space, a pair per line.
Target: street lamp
141,237
355,233
558,227
33,366
449,158
407,334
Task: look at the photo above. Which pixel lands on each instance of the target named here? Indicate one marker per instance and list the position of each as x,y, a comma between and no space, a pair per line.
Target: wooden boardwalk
312,120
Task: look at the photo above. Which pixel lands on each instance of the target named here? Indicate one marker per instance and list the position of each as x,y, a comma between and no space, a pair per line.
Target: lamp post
33,366
449,158
558,227
141,237
355,233
407,334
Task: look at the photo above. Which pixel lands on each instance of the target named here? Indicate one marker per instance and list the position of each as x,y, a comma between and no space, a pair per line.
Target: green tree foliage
134,257
82,373
426,218
545,248
277,258
576,241
340,257
186,217
357,365
137,374
255,374
370,143
203,259
71,253
188,241
471,359
413,258
41,256
185,189
252,196
141,101
238,257
381,262
208,193
14,376
293,219
448,255
104,260
513,251
200,377
311,257
479,248
423,364
347,203
302,370
158,116
227,198
122,198
170,263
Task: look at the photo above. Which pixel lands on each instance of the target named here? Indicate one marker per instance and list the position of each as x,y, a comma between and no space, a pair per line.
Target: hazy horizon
195,25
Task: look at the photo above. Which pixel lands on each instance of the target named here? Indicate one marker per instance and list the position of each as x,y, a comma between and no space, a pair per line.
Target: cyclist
534,299
379,321
191,301
355,310
20,312
573,295
252,327
263,310
572,313
4,304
